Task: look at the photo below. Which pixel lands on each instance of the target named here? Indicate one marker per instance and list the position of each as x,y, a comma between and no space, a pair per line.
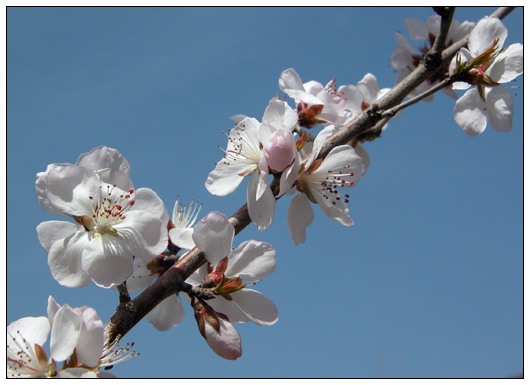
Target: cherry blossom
77,338
486,64
111,226
220,335
169,312
317,181
315,103
256,149
362,95
228,275
182,221
405,58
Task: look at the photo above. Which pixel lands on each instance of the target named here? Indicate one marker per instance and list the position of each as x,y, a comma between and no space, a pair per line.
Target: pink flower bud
280,150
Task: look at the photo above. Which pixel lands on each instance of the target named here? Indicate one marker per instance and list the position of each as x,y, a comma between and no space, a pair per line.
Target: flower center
110,208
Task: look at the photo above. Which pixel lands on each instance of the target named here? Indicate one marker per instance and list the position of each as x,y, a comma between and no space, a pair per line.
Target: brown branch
127,315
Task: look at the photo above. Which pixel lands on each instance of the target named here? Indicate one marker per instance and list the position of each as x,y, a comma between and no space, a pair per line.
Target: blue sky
427,283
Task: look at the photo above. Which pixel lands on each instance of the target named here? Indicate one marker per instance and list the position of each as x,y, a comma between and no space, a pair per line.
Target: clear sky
427,283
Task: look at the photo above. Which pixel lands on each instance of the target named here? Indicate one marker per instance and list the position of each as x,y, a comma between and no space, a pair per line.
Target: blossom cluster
119,236
77,339
278,146
484,64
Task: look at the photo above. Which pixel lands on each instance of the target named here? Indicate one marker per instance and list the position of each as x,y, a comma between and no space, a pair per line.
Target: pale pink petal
280,150
226,342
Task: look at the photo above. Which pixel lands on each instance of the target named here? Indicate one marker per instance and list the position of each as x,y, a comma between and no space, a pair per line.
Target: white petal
223,179
167,314
104,157
416,29
34,330
65,188
313,87
140,278
500,109
252,261
146,199
260,210
213,235
66,328
304,97
110,164
459,30
402,56
182,238
242,156
299,215
342,159
485,32
51,231
277,115
229,309
470,114
319,141
64,260
76,373
92,337
110,262
259,309
508,65
335,209
289,79
354,98
141,234
53,307
226,342
289,176
369,88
